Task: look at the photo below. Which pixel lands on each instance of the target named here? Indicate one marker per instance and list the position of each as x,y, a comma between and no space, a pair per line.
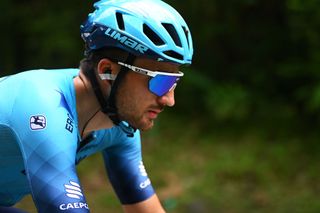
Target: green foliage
198,93
218,172
39,34
242,172
252,89
254,59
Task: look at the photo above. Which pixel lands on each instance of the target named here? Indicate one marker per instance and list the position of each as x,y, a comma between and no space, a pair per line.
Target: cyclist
52,119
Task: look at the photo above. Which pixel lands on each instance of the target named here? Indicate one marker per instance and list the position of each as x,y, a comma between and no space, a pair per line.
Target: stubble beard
129,111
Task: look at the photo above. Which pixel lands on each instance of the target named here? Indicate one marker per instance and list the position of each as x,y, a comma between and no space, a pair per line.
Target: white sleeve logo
142,169
73,190
143,173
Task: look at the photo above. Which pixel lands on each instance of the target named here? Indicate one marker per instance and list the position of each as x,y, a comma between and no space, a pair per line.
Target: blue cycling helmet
147,28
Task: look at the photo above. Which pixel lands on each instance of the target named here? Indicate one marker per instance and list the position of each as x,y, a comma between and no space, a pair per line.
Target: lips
153,114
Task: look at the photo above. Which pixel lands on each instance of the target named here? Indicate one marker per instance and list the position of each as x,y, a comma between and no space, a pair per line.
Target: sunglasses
160,83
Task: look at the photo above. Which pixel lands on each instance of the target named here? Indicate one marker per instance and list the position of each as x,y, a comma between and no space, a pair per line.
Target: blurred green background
243,136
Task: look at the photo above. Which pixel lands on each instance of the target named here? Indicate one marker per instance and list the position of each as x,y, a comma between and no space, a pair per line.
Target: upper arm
49,154
126,171
54,183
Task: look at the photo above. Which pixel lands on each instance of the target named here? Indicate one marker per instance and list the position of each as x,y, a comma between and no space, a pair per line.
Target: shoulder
118,136
42,88
43,103
115,139
30,83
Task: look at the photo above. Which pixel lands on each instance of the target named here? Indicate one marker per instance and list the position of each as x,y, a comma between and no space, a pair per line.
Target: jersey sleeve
42,120
125,169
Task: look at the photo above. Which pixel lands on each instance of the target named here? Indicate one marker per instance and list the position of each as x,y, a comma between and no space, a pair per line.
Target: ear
107,70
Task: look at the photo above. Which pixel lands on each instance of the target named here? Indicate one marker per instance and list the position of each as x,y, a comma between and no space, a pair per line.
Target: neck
90,117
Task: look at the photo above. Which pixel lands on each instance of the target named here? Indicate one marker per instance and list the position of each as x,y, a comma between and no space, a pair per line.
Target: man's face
135,103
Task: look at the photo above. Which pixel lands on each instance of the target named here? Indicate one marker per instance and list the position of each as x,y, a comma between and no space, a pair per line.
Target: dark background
247,111
255,60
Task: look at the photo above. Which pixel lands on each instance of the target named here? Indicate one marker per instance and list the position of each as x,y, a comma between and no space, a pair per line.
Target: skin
135,103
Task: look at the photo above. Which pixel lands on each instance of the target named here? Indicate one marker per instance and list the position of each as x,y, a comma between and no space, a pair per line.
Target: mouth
153,114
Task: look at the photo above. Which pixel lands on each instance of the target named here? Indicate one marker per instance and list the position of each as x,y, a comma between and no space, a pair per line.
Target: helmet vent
173,33
173,54
186,32
152,35
120,21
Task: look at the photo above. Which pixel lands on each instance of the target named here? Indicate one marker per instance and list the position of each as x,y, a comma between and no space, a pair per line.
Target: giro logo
38,122
126,41
73,190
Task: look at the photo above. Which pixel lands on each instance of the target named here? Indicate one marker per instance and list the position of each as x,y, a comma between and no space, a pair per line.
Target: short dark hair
90,62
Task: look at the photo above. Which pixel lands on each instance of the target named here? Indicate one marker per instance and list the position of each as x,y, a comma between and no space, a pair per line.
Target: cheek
137,85
134,92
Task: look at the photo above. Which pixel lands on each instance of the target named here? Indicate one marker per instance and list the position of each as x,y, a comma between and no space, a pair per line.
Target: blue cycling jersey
40,145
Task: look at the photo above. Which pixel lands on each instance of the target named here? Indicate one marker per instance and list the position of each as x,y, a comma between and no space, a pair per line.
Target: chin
144,126
141,123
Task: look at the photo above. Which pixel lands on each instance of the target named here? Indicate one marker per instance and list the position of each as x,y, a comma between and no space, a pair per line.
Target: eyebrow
159,70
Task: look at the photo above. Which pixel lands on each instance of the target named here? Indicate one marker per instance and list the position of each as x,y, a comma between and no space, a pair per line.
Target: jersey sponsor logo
145,183
126,41
69,124
143,173
142,169
38,122
73,190
67,206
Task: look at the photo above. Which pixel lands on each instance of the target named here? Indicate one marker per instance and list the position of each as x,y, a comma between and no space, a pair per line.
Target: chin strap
108,104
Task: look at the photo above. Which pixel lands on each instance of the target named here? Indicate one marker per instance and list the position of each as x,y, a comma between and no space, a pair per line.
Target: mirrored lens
161,84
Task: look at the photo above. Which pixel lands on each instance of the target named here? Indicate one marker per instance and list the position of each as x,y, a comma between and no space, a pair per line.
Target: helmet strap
97,91
112,110
108,104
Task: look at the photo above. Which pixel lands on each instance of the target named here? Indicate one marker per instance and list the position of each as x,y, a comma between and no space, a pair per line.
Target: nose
167,99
